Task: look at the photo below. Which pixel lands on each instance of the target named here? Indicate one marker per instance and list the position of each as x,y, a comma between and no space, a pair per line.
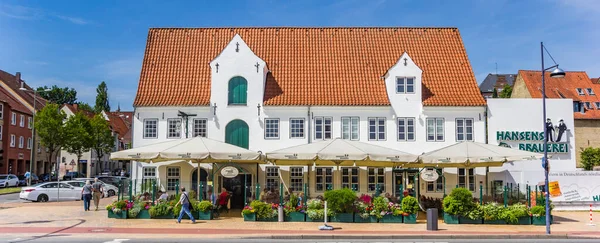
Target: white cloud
27,13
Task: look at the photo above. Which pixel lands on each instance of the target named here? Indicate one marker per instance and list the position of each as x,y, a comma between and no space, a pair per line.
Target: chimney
75,105
18,79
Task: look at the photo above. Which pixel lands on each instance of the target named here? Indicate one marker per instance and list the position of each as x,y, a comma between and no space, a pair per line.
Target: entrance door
411,184
236,186
237,133
399,184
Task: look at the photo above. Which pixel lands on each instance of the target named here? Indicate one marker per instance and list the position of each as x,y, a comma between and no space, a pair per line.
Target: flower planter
541,220
121,215
391,219
498,221
317,220
250,217
343,218
144,214
359,219
273,219
207,215
465,220
166,216
295,217
451,219
410,219
524,221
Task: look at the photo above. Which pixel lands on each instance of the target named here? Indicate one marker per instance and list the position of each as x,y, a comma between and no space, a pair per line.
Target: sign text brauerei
531,141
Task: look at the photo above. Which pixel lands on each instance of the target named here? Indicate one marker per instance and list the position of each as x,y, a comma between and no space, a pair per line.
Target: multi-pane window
405,85
466,177
464,129
435,129
377,128
199,128
21,141
271,128
297,128
29,143
376,178
324,179
29,122
272,178
597,105
350,128
590,91
323,127
588,105
406,129
173,177
580,91
22,121
435,186
150,172
174,128
13,119
296,179
150,128
12,140
350,178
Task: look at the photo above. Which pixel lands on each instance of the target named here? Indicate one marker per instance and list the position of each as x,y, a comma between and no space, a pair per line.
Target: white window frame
297,179
199,129
437,132
22,121
588,105
174,130
324,134
1,111
465,129
597,105
174,179
350,127
30,122
21,141
402,85
437,185
13,140
379,129
469,177
272,128
322,173
272,178
13,120
348,176
29,143
590,91
580,91
147,132
378,173
297,127
149,172
404,127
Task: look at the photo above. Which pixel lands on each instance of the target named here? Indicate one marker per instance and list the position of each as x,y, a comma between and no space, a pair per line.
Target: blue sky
80,43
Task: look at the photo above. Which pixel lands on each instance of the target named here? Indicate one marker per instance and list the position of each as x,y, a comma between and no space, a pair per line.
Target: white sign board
583,186
229,172
429,175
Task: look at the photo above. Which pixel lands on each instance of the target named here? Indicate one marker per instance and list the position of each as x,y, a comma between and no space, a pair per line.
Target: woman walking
87,195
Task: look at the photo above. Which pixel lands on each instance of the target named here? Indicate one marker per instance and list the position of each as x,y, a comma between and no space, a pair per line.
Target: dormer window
590,91
405,85
597,105
588,105
238,91
580,91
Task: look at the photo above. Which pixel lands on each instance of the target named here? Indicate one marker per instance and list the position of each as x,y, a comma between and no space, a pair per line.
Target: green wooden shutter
237,133
238,91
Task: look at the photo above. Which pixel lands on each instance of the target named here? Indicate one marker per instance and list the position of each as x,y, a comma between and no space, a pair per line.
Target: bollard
280,213
591,221
325,212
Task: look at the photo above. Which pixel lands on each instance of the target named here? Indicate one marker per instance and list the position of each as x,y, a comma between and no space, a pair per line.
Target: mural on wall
575,186
533,141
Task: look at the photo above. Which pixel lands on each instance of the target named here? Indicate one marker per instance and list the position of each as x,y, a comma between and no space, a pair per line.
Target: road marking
117,241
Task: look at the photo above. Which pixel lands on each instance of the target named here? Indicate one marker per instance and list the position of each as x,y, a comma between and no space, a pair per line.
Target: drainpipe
309,134
309,123
487,168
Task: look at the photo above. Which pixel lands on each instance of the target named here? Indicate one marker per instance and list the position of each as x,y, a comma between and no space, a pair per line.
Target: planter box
451,219
541,220
295,217
144,214
465,220
359,219
410,219
274,219
391,219
167,216
317,220
525,221
121,215
205,215
498,221
250,217
343,218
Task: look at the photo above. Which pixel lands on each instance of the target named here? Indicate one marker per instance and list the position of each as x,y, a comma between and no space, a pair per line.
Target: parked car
50,191
113,180
8,180
109,190
48,177
23,180
71,175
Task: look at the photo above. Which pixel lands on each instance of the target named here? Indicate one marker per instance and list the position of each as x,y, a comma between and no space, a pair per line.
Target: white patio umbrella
197,149
473,154
340,152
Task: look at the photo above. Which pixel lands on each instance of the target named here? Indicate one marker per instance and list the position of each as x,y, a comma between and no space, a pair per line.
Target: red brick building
15,135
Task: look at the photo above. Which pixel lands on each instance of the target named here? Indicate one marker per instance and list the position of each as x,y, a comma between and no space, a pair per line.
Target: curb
425,237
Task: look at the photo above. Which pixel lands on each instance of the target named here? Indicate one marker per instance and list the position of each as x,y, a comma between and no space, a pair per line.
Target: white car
109,190
50,191
8,180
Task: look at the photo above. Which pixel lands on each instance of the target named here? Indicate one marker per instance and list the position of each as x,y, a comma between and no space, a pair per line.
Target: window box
359,219
541,220
144,214
295,217
343,218
451,219
498,221
465,220
120,215
207,215
250,217
410,219
391,219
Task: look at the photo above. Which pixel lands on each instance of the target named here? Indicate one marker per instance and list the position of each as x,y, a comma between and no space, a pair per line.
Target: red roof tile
11,81
308,65
14,103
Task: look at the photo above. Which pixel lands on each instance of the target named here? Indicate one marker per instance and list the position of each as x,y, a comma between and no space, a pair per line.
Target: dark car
23,180
72,175
113,180
48,177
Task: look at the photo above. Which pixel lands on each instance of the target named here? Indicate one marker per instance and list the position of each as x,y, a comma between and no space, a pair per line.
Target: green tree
49,125
506,91
85,107
590,157
495,94
77,134
103,141
102,98
58,95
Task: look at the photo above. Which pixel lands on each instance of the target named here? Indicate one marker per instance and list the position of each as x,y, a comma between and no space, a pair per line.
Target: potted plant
475,216
538,215
394,214
264,211
517,214
293,212
492,214
139,211
204,209
117,209
364,212
458,203
410,207
248,213
161,211
341,204
315,211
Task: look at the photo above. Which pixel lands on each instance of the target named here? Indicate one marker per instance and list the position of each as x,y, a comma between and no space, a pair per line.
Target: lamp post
32,155
556,73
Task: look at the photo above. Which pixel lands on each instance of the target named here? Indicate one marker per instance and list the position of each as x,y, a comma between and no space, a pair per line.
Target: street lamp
32,155
556,73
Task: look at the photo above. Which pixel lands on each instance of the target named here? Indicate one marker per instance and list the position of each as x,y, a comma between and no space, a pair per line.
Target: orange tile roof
565,88
309,66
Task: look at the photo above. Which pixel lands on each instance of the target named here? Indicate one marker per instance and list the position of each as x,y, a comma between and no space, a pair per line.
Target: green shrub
160,209
136,209
476,212
538,211
314,204
512,214
459,202
493,211
381,206
203,206
410,205
341,200
263,210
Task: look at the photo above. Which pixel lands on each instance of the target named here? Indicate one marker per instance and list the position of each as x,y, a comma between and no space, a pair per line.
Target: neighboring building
264,89
120,124
495,81
576,86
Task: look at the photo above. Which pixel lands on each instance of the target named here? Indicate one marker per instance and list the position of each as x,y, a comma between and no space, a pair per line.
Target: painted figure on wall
561,130
549,130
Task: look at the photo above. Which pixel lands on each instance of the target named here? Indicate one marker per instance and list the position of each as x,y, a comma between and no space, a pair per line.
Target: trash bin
432,219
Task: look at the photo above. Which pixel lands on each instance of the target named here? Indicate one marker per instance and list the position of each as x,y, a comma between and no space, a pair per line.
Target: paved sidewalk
69,218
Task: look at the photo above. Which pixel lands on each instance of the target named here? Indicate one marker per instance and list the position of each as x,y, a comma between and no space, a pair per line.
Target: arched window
238,91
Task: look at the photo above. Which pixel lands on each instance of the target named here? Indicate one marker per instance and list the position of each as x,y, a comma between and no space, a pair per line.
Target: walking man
98,190
184,200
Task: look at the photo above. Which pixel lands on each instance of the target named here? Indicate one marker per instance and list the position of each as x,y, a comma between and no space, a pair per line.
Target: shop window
296,179
376,178
323,179
435,129
297,128
272,178
350,128
323,127
406,129
464,129
271,128
350,178
466,177
377,128
173,178
200,127
174,128
150,128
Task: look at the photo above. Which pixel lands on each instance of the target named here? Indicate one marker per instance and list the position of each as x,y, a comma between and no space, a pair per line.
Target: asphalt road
10,198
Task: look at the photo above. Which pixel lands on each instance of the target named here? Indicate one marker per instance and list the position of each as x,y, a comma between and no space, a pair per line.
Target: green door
237,133
238,91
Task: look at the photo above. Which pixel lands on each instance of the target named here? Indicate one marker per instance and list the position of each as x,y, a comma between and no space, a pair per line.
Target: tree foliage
49,125
495,93
506,91
77,134
85,107
102,141
590,157
102,98
58,95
